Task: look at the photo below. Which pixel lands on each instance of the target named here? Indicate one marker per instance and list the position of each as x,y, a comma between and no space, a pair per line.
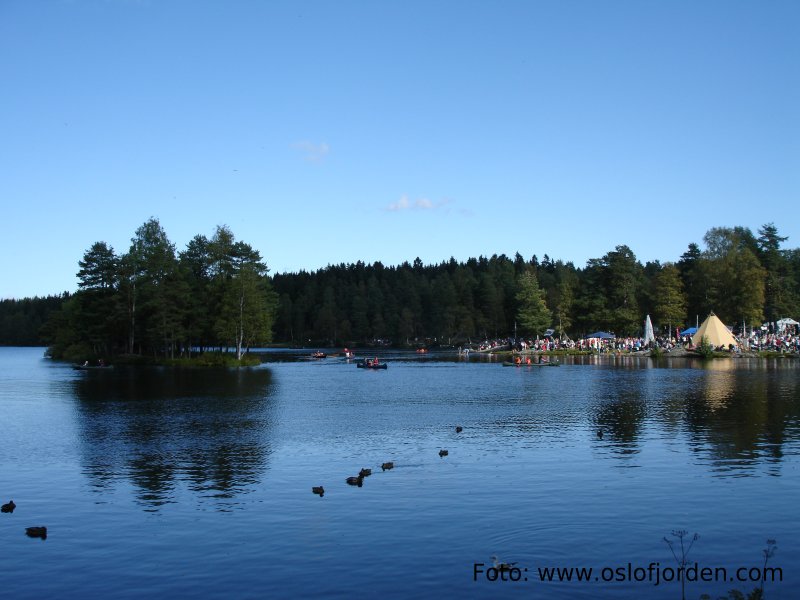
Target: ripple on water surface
198,483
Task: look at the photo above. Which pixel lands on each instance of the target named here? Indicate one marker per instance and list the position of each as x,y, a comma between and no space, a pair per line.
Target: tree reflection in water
735,413
164,429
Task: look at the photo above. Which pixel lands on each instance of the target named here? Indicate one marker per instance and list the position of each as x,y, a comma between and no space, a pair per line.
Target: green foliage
623,286
697,285
780,286
670,303
736,278
155,304
533,315
705,349
216,293
611,291
22,321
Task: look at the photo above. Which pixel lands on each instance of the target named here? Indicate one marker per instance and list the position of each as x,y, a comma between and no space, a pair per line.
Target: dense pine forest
217,294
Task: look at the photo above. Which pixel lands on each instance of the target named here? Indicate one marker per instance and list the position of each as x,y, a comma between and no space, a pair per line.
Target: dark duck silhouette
36,532
443,453
318,490
8,508
387,465
359,481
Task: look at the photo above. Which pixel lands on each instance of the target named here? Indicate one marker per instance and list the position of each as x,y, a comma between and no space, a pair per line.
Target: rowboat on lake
371,364
531,364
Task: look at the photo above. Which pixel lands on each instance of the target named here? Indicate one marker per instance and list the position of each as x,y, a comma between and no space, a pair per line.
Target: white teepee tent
648,331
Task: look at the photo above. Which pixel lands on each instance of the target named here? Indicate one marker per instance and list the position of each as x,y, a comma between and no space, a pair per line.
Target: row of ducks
358,480
34,532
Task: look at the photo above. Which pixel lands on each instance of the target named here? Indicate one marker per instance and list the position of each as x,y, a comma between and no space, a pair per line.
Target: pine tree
670,302
533,315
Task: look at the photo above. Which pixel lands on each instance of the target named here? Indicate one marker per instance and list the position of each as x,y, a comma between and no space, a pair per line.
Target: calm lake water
197,483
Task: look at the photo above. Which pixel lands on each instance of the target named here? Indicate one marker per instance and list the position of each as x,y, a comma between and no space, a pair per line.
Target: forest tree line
217,293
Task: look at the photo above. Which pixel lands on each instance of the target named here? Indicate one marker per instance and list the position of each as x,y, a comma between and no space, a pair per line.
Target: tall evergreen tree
623,284
694,273
778,301
195,265
153,267
98,268
95,301
533,315
669,301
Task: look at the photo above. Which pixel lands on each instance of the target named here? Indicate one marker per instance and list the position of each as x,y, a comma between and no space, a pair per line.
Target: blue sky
327,132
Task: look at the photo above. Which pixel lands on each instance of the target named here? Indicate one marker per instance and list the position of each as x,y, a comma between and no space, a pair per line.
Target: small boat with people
371,363
318,354
528,362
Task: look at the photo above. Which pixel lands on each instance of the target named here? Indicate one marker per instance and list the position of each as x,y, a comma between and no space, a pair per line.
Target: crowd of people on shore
764,341
623,344
786,340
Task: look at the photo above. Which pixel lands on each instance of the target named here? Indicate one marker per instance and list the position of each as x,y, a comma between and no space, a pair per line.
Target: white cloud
401,204
404,203
312,152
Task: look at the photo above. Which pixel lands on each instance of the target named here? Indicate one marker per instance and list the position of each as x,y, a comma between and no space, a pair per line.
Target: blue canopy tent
690,331
603,335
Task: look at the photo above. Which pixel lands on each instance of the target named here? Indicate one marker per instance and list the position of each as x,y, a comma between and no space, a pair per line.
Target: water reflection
739,419
737,416
621,422
163,429
209,432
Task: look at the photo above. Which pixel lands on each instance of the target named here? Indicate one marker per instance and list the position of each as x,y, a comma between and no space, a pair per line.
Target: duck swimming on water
502,566
359,481
9,507
36,532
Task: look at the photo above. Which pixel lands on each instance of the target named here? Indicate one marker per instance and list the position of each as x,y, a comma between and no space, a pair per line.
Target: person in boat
375,361
528,360
518,360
